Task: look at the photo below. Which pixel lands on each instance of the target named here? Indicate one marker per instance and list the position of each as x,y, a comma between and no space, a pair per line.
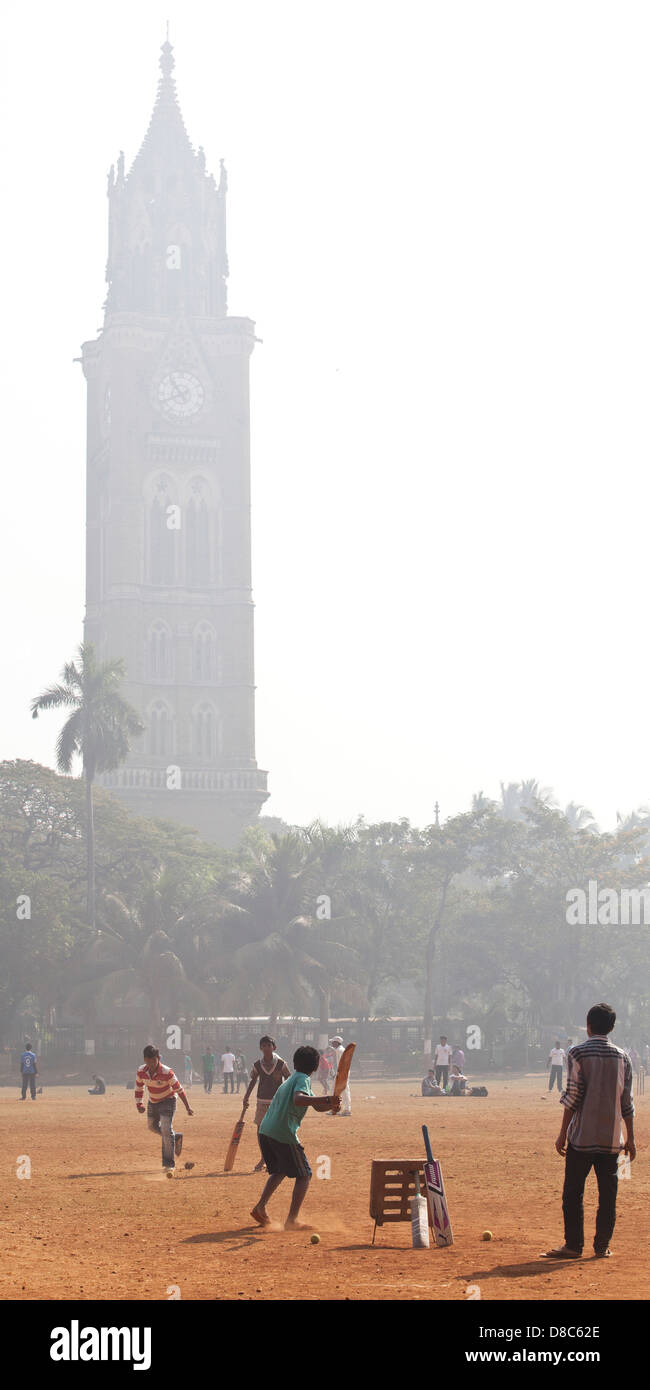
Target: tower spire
166,141
167,215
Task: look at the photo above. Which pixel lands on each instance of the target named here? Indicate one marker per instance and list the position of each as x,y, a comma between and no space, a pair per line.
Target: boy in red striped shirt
163,1087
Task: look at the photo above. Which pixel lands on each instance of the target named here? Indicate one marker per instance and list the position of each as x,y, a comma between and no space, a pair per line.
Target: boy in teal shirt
282,1151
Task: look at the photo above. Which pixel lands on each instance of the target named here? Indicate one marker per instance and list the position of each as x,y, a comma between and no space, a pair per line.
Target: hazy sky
439,217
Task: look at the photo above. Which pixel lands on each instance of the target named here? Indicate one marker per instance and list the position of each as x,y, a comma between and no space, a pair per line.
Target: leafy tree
379,892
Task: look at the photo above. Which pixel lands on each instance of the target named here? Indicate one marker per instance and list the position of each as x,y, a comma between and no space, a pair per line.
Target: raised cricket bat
436,1196
343,1070
419,1218
234,1142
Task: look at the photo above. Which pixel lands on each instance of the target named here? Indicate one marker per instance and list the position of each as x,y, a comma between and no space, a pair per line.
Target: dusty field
99,1220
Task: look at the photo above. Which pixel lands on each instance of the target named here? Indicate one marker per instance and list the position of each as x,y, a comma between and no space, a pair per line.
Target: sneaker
178,1144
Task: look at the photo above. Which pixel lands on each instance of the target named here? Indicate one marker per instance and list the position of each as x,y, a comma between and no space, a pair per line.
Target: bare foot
297,1226
260,1216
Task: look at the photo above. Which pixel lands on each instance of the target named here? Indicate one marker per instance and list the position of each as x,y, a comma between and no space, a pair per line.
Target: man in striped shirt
597,1098
163,1087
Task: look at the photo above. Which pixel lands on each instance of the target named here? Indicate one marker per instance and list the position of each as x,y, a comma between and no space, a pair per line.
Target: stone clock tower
168,569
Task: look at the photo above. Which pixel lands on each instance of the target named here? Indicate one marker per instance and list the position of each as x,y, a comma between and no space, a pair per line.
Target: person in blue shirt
29,1070
282,1151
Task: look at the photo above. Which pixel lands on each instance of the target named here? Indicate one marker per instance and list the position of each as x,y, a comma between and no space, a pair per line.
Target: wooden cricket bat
419,1219
234,1142
436,1196
343,1070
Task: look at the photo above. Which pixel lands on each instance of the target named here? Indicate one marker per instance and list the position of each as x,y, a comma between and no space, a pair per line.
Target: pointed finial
437,813
167,33
166,59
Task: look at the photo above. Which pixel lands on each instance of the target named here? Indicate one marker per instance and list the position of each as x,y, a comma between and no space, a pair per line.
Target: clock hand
178,390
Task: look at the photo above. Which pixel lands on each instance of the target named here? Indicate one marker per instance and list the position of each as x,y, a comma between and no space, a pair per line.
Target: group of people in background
234,1070
437,1082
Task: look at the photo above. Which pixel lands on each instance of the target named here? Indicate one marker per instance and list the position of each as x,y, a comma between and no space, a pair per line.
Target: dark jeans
229,1076
556,1075
29,1079
578,1166
442,1075
208,1078
160,1119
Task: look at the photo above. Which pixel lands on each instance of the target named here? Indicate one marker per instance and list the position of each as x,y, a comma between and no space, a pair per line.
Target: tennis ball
487,1235
315,1240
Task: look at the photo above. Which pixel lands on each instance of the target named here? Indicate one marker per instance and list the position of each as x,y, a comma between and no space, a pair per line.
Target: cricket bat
436,1196
343,1070
419,1219
234,1142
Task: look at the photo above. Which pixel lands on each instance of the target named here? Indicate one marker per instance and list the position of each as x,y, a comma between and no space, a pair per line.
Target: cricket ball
170,1173
315,1240
487,1235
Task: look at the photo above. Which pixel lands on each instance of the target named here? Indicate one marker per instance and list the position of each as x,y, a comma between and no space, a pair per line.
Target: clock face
180,395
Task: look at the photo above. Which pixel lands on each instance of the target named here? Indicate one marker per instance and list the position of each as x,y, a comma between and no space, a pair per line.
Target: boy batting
282,1151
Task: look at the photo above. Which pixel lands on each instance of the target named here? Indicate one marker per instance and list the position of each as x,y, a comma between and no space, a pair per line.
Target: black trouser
556,1075
578,1166
29,1078
229,1076
442,1075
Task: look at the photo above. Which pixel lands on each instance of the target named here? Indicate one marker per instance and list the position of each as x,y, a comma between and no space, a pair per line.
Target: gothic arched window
204,653
205,732
159,741
159,652
163,529
197,533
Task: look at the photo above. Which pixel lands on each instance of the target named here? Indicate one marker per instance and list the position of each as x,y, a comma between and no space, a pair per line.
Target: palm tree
580,818
518,797
280,955
98,730
136,948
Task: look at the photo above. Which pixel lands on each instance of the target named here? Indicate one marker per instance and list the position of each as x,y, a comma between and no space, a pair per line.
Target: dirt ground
98,1219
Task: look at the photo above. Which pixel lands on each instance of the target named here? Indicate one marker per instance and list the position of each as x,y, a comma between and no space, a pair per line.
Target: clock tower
168,573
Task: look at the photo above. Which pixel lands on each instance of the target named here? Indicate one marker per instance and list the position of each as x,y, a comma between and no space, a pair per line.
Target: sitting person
430,1086
457,1082
99,1089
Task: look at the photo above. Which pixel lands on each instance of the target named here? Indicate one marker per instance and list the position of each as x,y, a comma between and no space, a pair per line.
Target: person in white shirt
228,1060
442,1060
336,1043
556,1060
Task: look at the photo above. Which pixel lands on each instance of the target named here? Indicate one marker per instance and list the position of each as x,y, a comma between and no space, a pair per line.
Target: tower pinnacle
166,59
167,208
